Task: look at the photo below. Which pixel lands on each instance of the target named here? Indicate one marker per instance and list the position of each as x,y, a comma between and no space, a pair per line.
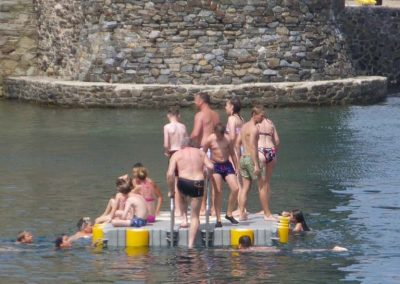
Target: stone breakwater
359,90
373,37
190,42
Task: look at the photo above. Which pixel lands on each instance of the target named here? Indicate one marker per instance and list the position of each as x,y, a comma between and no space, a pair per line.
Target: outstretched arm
254,135
158,193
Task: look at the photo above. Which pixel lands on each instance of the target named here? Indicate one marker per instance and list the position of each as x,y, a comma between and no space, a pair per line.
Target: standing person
204,123
190,163
250,164
235,122
174,133
221,149
268,143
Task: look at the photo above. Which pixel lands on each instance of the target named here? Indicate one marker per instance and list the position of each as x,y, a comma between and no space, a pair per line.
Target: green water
339,165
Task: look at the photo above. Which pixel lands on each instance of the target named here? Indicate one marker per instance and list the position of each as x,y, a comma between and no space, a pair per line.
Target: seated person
63,242
85,229
297,218
150,191
116,205
24,237
137,205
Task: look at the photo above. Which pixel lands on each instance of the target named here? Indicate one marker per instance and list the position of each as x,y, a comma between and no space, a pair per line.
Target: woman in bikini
150,191
233,126
268,143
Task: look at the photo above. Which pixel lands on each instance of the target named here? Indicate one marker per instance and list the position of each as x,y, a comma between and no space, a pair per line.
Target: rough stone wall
18,39
361,90
59,27
373,37
193,41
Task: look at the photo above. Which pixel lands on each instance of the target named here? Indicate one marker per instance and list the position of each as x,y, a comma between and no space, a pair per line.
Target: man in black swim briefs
190,163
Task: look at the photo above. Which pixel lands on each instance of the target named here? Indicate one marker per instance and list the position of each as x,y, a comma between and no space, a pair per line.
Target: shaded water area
339,165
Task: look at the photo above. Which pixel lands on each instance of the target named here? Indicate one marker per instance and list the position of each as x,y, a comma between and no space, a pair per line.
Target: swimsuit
224,169
191,188
151,218
269,153
138,222
147,191
247,168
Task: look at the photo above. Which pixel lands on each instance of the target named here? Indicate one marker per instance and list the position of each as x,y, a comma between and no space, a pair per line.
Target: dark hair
137,165
219,128
204,97
81,221
237,106
245,241
123,186
299,217
58,241
173,111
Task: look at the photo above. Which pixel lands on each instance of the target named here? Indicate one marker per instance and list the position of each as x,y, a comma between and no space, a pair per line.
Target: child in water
85,229
24,237
297,218
63,242
150,192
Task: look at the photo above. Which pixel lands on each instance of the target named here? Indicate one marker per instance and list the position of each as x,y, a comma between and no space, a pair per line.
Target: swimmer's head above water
62,242
85,225
244,242
24,237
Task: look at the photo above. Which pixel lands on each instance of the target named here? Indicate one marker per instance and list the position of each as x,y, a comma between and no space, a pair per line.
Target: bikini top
147,190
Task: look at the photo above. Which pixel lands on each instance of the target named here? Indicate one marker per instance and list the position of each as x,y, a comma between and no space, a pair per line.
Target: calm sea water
340,165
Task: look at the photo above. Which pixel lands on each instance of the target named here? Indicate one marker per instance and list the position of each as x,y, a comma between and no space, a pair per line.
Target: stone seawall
373,38
18,39
360,90
190,42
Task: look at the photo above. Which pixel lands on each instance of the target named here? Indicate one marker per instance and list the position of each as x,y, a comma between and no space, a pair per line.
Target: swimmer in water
24,237
63,242
85,229
297,218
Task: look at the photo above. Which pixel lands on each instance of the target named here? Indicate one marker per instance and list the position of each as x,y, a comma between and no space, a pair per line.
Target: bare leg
194,220
178,200
217,188
121,223
184,204
243,199
233,195
265,190
105,216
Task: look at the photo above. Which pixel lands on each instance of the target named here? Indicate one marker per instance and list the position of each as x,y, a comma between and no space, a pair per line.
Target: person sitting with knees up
297,218
24,237
85,229
63,242
135,213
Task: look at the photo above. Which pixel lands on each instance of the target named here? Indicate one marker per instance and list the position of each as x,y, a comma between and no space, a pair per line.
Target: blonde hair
257,110
142,173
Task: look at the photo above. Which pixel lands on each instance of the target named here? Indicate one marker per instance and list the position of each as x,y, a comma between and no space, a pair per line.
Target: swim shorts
138,222
269,154
247,168
224,169
191,188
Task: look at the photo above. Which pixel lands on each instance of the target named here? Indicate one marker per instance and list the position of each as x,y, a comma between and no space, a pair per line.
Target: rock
270,72
154,34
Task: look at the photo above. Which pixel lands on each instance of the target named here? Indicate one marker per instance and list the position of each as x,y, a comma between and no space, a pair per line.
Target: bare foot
339,249
260,213
183,226
236,213
202,212
243,217
270,218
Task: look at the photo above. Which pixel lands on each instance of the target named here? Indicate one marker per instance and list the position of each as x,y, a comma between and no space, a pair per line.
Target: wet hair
245,241
83,221
204,97
237,106
219,128
257,110
58,241
137,165
124,186
173,111
21,236
299,217
142,173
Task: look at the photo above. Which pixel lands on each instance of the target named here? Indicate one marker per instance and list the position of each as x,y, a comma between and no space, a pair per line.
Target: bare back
267,134
190,163
138,204
174,134
248,133
204,123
